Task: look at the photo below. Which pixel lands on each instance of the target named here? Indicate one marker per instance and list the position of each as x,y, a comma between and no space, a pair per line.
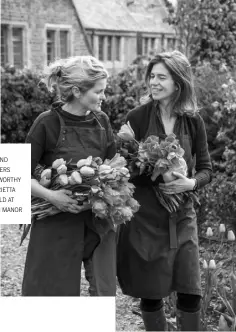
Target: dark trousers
185,302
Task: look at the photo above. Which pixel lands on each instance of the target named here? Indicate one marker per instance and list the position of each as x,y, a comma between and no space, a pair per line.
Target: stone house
35,32
120,30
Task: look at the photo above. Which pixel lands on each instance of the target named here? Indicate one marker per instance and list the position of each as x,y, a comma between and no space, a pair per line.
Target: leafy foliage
123,93
206,29
219,198
23,98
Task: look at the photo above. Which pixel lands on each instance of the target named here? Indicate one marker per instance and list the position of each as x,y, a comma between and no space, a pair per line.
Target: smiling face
161,83
92,99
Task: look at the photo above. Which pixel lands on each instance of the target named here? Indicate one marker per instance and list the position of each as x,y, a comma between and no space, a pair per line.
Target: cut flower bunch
102,185
155,157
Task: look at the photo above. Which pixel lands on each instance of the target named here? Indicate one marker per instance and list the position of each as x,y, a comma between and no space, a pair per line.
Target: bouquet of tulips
103,185
155,157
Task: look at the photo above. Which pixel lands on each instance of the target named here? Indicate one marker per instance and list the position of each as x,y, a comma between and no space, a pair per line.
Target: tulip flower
231,236
222,228
209,232
63,179
62,169
46,173
212,264
45,182
58,162
205,265
126,132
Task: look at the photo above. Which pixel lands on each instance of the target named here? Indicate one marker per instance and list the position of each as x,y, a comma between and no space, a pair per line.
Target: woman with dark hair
74,128
158,250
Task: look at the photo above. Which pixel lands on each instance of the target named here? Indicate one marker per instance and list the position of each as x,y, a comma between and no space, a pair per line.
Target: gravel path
12,267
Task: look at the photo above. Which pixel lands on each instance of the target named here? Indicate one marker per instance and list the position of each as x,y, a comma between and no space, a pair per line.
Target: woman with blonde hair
74,128
157,251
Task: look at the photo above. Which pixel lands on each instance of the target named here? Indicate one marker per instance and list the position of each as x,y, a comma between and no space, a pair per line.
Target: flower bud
205,265
231,236
209,232
126,132
46,173
212,264
58,162
45,182
63,179
62,169
215,104
76,177
71,181
222,228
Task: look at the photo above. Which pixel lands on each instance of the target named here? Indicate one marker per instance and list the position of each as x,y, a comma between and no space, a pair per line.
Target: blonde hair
80,71
184,99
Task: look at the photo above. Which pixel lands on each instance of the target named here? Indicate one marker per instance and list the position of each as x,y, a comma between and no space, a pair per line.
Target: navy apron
59,243
157,252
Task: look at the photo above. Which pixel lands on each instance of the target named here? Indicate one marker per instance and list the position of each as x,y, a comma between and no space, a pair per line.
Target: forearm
203,177
39,191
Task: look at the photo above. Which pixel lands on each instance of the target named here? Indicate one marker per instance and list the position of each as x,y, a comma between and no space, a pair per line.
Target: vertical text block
15,183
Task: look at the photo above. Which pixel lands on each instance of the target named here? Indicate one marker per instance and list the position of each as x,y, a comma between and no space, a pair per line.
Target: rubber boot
188,321
154,321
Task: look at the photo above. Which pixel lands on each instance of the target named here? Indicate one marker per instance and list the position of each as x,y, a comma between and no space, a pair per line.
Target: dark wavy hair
184,99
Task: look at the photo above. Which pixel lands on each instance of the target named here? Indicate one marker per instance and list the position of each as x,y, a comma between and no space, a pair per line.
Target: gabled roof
152,23
113,15
105,15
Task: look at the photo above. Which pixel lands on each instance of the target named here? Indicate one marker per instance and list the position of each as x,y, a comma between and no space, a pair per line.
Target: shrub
22,100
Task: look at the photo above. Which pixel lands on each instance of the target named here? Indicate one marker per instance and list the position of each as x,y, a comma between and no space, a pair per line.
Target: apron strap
96,117
62,126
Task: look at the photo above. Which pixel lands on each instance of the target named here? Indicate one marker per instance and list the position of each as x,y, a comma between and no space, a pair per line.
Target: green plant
206,29
22,99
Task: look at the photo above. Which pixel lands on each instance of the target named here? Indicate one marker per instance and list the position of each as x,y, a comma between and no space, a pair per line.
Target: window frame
10,40
57,29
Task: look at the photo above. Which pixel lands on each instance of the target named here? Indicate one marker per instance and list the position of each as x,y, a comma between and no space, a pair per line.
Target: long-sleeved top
45,132
139,121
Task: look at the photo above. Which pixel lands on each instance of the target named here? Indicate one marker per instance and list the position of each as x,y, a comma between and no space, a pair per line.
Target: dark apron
59,243
157,252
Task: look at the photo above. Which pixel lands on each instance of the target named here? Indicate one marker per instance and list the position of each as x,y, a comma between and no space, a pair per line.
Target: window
4,50
145,45
17,40
109,48
152,44
170,44
64,44
51,52
12,45
101,47
57,42
90,39
117,46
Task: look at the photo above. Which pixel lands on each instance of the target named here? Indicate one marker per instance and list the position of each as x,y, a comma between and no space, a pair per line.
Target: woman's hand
180,185
79,208
62,201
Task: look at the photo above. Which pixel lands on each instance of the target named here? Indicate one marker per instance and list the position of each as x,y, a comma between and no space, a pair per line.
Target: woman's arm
59,198
203,165
203,162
